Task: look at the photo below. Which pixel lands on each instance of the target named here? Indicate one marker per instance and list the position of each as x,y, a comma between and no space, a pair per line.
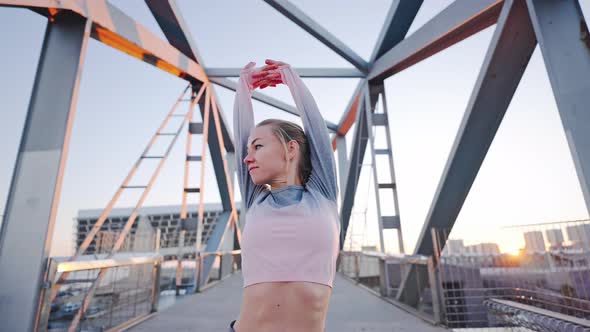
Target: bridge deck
352,309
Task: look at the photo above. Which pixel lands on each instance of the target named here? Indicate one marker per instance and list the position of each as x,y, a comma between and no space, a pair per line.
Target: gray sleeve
323,174
243,125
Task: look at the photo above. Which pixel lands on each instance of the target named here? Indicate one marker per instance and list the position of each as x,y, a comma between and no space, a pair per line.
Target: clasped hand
267,75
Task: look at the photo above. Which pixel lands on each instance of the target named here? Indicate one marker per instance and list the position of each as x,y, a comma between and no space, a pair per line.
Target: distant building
165,218
533,241
368,248
555,238
579,235
454,247
483,249
145,239
457,247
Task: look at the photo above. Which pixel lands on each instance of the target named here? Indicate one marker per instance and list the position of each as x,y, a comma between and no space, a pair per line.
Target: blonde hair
286,131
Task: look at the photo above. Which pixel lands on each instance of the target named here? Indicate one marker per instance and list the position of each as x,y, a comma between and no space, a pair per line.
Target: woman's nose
248,159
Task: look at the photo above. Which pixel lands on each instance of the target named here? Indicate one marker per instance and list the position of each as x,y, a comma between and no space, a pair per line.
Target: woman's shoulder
319,197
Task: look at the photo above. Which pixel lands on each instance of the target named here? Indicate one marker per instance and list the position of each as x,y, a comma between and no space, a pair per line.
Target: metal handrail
57,265
115,261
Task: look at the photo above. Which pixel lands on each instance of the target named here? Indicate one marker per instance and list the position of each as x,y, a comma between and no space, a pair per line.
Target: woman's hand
268,75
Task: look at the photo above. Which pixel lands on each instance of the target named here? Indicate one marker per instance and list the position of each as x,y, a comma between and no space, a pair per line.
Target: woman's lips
253,168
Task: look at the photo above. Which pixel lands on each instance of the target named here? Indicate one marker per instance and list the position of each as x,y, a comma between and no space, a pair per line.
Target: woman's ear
293,149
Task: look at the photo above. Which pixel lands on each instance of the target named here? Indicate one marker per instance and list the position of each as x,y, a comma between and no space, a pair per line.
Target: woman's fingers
264,83
269,67
266,71
272,77
267,75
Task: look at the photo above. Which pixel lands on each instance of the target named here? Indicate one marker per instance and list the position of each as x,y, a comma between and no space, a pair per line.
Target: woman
290,241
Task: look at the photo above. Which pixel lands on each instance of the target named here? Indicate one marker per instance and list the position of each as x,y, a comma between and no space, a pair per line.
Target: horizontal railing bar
171,251
417,259
544,312
517,289
105,263
512,297
76,281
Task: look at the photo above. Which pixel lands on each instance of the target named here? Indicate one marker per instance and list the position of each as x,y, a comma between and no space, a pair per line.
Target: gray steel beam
33,199
343,163
458,21
308,24
564,40
399,18
216,157
349,116
174,27
359,146
303,72
509,52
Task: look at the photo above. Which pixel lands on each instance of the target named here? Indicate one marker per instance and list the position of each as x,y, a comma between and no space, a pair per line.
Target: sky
527,177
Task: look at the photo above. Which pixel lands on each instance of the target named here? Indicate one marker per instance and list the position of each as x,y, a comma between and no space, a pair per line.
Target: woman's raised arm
243,126
323,174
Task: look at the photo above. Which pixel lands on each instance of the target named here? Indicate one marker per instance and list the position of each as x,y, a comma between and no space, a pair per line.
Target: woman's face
266,156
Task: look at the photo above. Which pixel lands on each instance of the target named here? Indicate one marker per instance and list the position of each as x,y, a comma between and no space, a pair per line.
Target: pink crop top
291,233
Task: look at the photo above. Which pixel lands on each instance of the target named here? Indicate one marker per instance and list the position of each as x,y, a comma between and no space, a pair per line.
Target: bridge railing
383,274
189,271
131,286
551,273
126,293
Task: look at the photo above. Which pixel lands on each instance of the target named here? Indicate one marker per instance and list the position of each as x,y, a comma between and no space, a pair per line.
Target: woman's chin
258,182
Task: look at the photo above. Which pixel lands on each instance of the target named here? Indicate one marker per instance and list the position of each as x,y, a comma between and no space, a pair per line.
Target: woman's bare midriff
285,306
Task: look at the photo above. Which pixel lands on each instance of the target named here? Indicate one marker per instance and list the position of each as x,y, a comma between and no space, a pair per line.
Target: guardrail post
220,266
45,309
434,289
158,239
383,277
178,283
199,272
356,267
178,276
156,291
439,238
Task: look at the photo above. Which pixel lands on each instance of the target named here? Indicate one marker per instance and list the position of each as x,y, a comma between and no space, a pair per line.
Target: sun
513,251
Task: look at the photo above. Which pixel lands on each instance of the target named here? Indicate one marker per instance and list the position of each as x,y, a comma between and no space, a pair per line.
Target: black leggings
231,326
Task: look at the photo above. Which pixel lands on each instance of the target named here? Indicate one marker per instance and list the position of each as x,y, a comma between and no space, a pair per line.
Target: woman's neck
280,184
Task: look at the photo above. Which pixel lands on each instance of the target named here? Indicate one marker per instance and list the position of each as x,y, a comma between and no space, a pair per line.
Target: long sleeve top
291,233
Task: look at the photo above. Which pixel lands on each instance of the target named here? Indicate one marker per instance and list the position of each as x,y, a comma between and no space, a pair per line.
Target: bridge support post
33,198
564,41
